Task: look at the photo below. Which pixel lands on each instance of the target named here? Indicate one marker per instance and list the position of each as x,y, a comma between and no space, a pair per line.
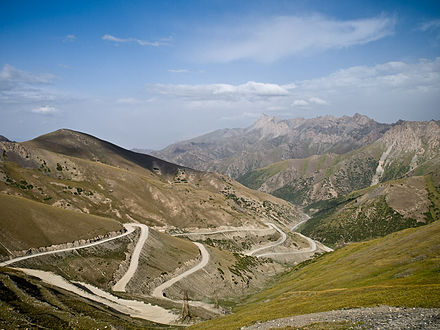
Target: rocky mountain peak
3,139
270,126
361,119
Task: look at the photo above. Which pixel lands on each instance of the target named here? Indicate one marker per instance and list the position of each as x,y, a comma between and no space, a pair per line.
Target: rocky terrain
361,318
235,152
406,149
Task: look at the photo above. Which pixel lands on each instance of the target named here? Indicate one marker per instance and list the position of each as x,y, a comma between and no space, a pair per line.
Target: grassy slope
401,269
25,224
304,181
368,213
254,179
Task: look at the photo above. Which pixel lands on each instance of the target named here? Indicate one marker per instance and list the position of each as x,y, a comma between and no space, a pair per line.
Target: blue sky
149,73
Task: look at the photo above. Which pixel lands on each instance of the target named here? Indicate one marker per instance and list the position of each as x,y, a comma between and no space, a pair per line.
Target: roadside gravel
382,317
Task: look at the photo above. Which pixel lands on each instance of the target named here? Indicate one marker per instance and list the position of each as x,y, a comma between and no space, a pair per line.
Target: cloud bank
278,37
250,89
385,91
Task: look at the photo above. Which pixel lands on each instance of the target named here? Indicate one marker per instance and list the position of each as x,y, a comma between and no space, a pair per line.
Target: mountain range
85,209
237,151
319,164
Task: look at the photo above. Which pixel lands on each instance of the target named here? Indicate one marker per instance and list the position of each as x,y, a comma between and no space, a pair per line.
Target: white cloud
278,37
17,86
300,103
386,77
385,91
129,100
250,89
109,37
11,75
45,110
317,100
69,38
178,70
429,25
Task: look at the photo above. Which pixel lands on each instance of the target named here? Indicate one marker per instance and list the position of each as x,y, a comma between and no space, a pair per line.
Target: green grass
434,196
254,179
366,214
375,219
401,269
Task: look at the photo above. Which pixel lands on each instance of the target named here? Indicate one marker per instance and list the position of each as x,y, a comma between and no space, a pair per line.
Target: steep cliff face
235,152
408,148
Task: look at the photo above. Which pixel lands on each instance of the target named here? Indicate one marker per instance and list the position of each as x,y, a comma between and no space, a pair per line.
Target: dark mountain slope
85,146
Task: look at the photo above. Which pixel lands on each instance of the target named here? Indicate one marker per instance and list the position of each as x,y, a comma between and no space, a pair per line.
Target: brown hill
76,171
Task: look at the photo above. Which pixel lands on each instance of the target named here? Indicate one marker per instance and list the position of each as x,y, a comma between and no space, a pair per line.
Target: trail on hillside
220,231
133,308
312,244
279,242
134,262
158,292
128,227
311,249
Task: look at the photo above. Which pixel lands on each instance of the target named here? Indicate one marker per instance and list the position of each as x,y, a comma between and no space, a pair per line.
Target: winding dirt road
220,231
279,242
134,262
133,308
158,292
137,308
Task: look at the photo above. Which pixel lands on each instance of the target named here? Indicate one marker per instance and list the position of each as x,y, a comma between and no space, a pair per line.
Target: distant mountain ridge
237,151
406,149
